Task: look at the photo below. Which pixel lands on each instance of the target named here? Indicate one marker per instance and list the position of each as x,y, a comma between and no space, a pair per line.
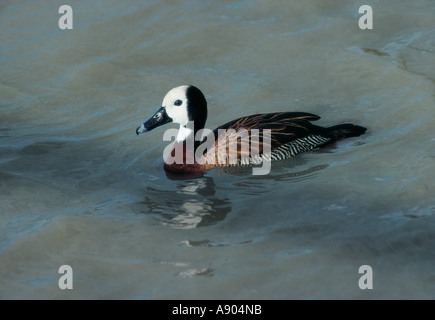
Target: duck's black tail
345,130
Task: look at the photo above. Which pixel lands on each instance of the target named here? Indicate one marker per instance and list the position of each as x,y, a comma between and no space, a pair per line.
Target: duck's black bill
158,119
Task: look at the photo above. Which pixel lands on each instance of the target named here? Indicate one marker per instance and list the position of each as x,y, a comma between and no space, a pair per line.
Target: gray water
79,188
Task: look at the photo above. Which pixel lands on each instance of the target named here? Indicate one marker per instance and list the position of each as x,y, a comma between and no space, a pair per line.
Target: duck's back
272,136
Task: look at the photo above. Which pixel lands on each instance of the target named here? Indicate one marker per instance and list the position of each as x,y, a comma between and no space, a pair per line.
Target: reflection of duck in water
290,133
193,204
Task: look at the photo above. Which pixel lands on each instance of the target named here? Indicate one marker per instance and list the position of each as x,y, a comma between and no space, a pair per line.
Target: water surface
78,187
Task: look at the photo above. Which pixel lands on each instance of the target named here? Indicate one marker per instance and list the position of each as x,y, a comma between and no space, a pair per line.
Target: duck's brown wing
250,135
255,120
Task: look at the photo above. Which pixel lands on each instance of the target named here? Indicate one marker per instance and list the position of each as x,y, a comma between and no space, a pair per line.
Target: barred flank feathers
297,146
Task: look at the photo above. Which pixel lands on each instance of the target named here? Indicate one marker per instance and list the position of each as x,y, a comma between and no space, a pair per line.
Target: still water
79,188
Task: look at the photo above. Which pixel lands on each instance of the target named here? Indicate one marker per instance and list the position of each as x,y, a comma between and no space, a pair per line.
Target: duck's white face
175,104
182,105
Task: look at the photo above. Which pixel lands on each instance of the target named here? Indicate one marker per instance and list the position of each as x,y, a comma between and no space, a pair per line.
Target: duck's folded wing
255,120
246,140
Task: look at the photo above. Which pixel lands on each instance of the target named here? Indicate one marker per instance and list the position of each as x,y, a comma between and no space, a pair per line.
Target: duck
271,136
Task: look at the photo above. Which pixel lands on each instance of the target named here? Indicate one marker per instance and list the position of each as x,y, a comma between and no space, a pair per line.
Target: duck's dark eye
178,103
